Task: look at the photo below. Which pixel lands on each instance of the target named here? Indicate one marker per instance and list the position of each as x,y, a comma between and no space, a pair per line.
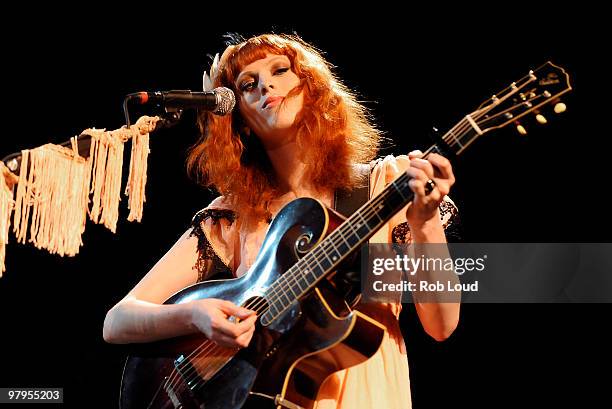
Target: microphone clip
170,117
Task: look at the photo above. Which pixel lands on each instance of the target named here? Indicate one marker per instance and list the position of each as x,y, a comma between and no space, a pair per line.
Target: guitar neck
356,230
340,243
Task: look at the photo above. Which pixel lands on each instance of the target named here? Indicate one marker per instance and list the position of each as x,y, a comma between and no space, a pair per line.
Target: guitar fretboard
332,250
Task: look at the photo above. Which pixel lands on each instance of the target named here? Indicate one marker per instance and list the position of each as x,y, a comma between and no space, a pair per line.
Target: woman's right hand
211,317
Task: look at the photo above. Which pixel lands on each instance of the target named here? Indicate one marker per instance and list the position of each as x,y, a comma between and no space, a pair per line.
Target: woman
296,132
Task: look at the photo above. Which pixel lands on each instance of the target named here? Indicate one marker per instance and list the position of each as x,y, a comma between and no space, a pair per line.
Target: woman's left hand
424,206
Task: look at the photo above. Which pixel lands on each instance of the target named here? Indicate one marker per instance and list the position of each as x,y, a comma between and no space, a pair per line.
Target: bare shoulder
179,267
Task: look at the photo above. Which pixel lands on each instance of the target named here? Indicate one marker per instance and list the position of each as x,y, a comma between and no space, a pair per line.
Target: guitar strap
348,280
347,202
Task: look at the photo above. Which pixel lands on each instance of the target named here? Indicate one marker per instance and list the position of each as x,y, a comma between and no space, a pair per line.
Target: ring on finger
429,186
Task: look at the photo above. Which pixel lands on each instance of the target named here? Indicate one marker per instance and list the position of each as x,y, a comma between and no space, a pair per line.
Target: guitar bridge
278,400
172,395
196,375
177,385
186,371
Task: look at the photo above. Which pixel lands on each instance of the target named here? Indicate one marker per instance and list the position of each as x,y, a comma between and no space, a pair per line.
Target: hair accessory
208,79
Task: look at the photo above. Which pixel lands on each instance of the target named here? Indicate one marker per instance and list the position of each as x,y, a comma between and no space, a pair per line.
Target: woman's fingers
230,342
430,180
436,168
424,165
415,154
231,329
240,335
443,166
418,181
246,325
417,173
233,310
244,339
418,187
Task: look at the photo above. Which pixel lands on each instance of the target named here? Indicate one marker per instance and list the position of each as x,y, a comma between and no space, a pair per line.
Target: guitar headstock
529,94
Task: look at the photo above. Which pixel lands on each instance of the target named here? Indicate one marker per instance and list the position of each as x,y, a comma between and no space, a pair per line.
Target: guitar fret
329,260
452,134
337,255
344,239
364,230
316,261
293,280
354,232
297,280
307,271
273,305
470,135
283,294
398,190
358,213
290,286
375,210
372,224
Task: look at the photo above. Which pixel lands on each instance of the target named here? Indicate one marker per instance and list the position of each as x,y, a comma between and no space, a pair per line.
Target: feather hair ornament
208,79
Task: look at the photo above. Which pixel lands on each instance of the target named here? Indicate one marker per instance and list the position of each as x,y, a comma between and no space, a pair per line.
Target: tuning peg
560,107
541,119
520,128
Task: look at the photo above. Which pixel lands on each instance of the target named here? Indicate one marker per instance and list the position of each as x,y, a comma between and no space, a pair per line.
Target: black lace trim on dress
447,207
452,226
401,233
209,263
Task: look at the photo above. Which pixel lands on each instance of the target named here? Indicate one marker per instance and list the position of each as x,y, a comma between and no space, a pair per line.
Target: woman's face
263,86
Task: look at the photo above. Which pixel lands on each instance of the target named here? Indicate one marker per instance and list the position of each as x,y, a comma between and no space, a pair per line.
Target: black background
415,70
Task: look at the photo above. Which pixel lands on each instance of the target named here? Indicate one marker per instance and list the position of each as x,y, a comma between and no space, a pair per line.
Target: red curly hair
332,129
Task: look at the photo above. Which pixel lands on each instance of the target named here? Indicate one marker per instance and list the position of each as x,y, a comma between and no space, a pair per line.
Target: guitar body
286,361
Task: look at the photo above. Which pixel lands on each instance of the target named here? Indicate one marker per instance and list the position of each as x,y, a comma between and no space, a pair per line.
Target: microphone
220,100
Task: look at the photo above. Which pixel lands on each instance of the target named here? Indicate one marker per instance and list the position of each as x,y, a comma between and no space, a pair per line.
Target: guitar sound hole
258,304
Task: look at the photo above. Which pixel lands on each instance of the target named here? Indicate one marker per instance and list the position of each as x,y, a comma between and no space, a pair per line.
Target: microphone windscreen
225,101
